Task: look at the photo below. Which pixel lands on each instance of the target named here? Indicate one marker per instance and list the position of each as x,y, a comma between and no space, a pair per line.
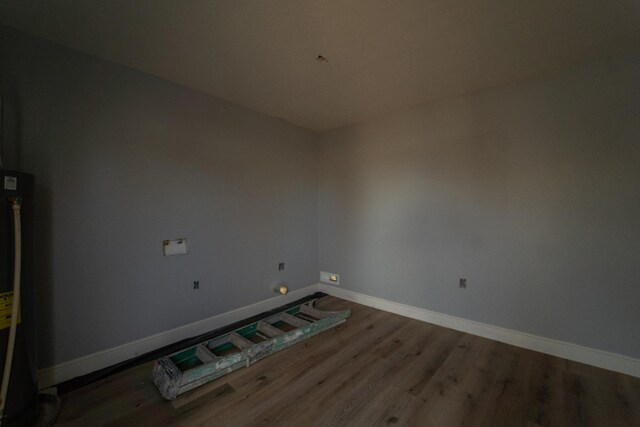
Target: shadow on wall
43,242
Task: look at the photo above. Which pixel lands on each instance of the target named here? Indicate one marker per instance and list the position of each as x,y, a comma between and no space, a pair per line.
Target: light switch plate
175,247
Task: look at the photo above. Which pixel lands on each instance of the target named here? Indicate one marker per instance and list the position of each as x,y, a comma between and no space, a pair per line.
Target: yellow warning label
6,306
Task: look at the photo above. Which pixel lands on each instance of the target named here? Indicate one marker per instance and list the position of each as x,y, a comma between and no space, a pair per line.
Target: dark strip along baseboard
83,380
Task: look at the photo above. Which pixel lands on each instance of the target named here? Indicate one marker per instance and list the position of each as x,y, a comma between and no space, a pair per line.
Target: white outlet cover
327,277
175,247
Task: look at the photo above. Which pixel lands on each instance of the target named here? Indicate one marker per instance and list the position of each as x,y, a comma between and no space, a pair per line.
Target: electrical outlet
196,284
281,266
331,278
463,283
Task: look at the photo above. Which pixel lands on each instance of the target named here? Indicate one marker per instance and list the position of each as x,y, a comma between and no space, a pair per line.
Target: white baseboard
602,359
65,371
103,359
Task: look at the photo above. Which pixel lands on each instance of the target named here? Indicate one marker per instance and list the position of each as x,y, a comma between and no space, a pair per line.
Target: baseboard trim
93,362
601,359
49,377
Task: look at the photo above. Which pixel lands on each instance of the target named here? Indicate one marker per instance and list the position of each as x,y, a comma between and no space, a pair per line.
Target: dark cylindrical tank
21,408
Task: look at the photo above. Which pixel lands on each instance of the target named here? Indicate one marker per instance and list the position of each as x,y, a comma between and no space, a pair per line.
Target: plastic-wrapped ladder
189,368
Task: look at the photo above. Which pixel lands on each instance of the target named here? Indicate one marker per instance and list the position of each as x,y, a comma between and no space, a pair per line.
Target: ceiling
383,55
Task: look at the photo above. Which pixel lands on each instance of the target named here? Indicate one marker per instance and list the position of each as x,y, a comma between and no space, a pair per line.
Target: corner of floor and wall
528,191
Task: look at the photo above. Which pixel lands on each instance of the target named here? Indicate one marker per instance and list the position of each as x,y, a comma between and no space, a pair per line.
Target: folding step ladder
211,359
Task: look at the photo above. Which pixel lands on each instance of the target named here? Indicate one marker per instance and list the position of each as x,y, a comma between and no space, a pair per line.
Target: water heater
21,403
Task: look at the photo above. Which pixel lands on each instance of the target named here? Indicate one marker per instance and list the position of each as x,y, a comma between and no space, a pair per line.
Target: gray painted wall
531,191
124,160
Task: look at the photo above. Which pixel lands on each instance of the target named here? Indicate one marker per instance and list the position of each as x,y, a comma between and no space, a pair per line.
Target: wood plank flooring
377,369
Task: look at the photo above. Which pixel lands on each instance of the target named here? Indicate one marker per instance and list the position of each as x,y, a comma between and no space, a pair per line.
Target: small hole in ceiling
322,59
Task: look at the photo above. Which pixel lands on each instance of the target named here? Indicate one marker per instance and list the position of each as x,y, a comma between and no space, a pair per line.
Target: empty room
320,213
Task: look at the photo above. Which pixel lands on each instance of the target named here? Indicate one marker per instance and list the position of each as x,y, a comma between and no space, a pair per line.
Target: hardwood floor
376,369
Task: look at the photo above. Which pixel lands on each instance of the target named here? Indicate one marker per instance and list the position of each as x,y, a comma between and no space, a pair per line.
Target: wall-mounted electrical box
175,247
331,278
